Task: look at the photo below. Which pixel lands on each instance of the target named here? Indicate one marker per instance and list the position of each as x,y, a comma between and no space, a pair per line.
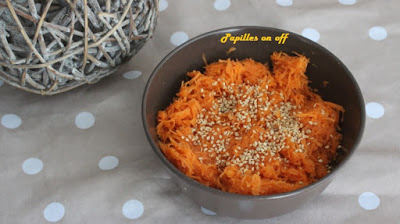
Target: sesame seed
239,111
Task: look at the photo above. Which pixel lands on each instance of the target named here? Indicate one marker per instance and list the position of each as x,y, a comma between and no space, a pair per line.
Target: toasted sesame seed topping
247,111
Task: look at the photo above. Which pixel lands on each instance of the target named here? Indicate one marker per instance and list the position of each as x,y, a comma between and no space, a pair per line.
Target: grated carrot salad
244,129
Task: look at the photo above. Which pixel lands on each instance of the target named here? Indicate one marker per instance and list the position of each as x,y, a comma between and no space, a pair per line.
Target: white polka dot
284,2
108,162
222,5
374,110
11,121
179,38
163,5
369,201
133,209
1,82
207,212
54,212
347,2
377,33
32,166
311,34
132,74
84,120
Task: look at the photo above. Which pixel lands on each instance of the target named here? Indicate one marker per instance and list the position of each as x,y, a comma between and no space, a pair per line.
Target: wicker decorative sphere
52,46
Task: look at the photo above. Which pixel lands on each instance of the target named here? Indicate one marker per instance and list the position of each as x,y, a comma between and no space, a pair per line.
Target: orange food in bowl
244,129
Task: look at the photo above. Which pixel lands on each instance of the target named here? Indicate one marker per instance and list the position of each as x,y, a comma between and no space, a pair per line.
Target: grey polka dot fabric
82,156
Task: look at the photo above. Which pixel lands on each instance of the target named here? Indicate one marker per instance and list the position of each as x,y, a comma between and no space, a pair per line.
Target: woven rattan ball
52,46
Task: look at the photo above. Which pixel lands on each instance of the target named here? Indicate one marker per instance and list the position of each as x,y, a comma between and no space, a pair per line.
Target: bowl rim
219,192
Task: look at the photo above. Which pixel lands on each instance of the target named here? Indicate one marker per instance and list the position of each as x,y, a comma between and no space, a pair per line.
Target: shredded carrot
230,50
203,56
244,129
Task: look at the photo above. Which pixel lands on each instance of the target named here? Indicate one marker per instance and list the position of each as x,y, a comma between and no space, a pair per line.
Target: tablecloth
82,156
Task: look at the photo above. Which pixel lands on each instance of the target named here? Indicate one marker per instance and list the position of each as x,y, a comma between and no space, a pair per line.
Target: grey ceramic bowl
342,89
